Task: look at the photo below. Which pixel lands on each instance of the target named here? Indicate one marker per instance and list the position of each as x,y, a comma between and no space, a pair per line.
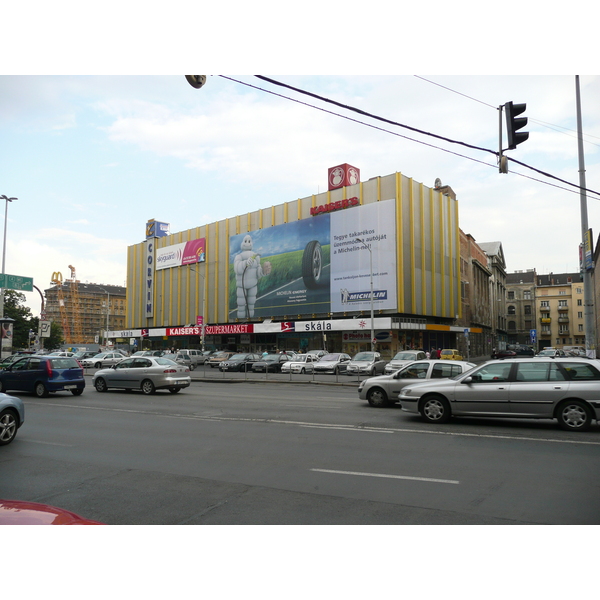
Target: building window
580,315
511,295
527,295
512,310
527,309
579,290
562,292
562,303
580,327
545,303
579,302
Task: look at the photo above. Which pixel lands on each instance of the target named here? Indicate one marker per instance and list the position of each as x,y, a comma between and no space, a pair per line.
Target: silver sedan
566,389
384,390
146,373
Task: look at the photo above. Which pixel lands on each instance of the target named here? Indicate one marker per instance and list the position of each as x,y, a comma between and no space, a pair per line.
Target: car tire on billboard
312,264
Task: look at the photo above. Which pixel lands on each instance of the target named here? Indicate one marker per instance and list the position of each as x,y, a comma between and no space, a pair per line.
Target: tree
13,308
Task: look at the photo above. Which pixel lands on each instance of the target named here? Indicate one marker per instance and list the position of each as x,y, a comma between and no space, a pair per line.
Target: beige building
521,308
559,304
85,310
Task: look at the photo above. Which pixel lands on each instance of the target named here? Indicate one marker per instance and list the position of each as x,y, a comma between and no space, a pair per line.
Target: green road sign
16,282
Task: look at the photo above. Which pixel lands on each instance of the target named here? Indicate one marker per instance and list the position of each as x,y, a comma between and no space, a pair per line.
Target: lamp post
107,315
371,275
7,200
204,305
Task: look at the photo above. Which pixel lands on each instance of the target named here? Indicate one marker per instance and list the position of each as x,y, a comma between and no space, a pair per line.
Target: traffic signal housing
514,123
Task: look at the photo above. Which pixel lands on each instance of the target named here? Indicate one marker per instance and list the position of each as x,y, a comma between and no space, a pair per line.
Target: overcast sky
92,157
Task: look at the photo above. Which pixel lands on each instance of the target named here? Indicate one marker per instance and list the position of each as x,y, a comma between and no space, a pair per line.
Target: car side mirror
467,380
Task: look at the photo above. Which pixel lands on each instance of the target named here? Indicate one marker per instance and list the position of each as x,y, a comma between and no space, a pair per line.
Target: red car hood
15,512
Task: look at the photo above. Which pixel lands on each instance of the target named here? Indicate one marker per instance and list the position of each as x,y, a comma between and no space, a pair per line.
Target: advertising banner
357,237
315,265
176,255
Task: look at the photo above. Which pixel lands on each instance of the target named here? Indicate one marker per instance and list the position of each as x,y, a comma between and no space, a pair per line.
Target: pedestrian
427,355
433,354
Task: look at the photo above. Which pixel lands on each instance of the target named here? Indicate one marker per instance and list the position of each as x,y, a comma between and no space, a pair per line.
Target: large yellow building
300,274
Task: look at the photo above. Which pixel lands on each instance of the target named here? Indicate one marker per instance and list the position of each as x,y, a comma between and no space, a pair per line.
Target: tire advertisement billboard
315,265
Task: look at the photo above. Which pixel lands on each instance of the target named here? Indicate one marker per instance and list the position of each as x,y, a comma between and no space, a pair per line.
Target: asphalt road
282,453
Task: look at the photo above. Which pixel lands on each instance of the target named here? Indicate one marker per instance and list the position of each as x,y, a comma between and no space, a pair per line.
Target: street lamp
371,274
204,304
7,199
107,315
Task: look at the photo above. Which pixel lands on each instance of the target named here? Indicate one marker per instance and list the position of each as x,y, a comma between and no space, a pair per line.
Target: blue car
43,374
12,416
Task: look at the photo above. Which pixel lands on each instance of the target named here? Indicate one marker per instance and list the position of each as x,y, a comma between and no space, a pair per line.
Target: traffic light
514,123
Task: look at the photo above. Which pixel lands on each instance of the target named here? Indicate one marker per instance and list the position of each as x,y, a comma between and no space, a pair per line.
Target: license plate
70,387
181,381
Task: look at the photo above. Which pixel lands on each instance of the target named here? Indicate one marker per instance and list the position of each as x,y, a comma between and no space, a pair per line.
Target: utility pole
588,295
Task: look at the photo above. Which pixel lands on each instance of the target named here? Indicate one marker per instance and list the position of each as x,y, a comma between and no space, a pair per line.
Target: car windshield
64,363
329,357
364,356
237,357
164,361
300,358
447,352
547,353
405,356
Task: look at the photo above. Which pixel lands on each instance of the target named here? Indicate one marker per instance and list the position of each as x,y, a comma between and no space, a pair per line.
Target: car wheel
435,409
377,397
574,415
8,427
174,390
98,365
312,264
192,367
302,371
76,392
148,387
100,385
41,391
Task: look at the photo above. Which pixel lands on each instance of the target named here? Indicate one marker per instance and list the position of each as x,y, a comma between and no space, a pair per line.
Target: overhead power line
382,119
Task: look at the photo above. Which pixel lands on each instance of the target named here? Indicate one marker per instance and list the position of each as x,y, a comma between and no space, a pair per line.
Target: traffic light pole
588,295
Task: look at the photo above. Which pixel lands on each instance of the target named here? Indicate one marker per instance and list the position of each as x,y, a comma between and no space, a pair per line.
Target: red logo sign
342,175
332,206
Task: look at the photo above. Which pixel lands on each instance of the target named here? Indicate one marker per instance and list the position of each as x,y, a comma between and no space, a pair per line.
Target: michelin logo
351,297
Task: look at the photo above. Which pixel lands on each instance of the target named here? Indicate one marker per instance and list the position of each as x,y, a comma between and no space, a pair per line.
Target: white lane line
45,443
348,428
452,481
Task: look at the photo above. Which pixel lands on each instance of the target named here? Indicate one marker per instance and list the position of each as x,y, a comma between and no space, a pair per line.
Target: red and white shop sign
342,175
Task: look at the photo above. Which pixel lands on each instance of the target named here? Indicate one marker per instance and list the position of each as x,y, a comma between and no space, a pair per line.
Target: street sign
532,335
45,328
16,282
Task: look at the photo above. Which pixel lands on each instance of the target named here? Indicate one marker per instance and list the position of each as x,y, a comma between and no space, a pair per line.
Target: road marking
46,443
384,476
158,413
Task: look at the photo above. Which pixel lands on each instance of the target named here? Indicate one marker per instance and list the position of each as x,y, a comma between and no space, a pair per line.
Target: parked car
402,358
317,353
17,512
332,363
204,356
555,352
195,355
42,375
181,359
62,353
219,357
104,359
566,389
384,390
366,363
301,363
12,417
504,354
148,353
526,351
9,360
239,362
270,362
83,354
146,373
450,354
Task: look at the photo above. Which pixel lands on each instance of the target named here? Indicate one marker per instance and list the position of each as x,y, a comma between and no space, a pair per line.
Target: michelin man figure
248,271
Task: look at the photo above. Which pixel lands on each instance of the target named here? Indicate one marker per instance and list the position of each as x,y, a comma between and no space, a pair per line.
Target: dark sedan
239,362
270,362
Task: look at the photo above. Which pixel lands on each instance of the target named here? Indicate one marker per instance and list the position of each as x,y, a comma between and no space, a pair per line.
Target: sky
92,158
100,131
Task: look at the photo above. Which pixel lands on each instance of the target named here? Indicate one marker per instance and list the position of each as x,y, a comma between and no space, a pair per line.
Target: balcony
563,319
544,309
545,320
564,332
563,308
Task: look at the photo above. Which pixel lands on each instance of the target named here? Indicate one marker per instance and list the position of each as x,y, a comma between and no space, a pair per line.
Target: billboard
315,265
176,255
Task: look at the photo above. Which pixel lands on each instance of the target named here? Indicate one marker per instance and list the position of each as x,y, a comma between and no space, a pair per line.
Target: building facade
299,275
559,304
521,315
85,311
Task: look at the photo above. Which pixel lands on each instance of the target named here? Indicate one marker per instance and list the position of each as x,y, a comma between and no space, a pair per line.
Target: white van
195,356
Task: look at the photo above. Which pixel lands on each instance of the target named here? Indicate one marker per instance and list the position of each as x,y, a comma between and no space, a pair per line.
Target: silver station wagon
384,390
565,389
